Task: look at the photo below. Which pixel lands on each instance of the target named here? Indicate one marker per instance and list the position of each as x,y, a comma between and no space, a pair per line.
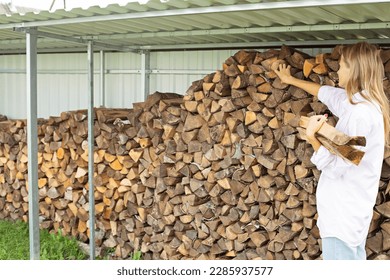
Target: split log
337,142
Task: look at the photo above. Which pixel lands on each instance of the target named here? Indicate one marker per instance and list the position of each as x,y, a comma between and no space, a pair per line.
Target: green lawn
14,244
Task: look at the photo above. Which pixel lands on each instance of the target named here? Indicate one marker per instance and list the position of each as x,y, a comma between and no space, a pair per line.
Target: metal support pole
32,142
91,144
145,73
103,78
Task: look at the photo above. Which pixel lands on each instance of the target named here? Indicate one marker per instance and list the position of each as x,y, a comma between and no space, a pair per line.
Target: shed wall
62,78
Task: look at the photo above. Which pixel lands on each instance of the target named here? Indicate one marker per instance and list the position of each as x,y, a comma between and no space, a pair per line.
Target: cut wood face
222,172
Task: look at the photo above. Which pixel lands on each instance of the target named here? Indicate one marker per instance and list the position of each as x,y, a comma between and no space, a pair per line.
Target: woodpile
221,173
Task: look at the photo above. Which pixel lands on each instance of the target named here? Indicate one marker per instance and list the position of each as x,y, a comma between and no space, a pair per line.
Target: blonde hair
367,73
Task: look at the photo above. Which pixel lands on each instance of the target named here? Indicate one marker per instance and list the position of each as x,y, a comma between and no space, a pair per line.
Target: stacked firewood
13,169
221,173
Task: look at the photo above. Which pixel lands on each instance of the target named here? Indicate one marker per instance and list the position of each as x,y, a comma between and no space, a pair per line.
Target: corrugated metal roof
9,9
206,24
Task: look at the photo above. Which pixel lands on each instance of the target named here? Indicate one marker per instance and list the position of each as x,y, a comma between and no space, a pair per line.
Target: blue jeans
336,249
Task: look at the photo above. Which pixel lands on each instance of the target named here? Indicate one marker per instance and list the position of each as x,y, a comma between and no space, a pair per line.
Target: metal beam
51,38
145,73
109,71
62,38
250,30
32,143
103,78
217,46
257,45
81,49
91,145
43,50
83,41
194,11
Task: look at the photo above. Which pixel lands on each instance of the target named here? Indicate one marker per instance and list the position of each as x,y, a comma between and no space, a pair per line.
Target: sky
70,4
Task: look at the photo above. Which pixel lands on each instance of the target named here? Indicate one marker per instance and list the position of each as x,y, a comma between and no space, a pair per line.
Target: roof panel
179,4
323,14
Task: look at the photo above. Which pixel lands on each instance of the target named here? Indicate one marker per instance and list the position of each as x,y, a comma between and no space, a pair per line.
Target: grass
109,255
14,244
136,255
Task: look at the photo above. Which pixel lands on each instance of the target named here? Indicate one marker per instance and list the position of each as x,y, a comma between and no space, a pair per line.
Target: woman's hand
314,124
284,74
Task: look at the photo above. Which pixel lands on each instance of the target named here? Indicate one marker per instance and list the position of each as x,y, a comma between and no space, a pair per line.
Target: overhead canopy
200,24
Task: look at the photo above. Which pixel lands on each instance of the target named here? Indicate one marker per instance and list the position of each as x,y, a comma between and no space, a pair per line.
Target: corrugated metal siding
62,84
12,86
58,93
190,61
62,78
123,89
185,63
13,95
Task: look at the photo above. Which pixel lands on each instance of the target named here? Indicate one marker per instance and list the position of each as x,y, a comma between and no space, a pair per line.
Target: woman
346,193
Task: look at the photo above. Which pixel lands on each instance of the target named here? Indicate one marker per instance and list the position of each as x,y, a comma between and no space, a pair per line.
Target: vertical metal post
32,142
91,144
103,78
145,73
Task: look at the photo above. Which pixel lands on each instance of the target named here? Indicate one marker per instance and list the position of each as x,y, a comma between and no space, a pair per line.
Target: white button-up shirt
346,193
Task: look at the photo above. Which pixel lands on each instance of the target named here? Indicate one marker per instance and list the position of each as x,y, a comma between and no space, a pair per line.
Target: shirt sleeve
330,164
334,166
333,98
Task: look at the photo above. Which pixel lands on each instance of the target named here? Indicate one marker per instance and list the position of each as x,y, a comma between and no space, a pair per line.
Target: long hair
367,73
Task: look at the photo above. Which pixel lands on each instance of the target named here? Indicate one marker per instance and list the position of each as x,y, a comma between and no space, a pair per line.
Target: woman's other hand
314,124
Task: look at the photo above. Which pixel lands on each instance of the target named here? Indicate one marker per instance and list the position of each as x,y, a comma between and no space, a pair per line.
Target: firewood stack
220,173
